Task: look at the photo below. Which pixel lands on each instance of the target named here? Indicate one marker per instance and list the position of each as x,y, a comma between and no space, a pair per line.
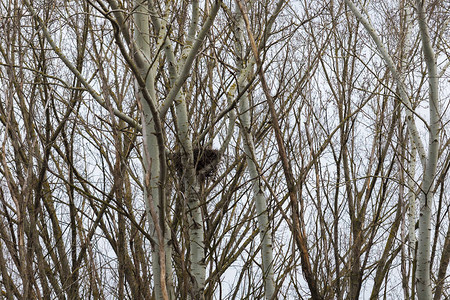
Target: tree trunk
152,165
255,175
424,241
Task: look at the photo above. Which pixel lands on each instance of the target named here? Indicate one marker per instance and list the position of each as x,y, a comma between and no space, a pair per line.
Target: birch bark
259,197
192,192
429,160
423,278
411,184
179,72
161,250
414,133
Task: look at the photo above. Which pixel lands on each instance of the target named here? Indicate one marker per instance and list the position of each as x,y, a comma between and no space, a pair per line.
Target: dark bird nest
206,162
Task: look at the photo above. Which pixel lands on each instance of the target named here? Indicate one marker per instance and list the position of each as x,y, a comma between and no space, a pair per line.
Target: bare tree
224,149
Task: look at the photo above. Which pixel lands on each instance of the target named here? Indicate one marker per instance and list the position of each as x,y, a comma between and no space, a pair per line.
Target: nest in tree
205,162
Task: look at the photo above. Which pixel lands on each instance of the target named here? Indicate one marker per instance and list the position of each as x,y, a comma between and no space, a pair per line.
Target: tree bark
259,197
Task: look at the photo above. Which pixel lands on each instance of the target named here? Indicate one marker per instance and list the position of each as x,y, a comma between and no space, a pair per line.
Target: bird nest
206,162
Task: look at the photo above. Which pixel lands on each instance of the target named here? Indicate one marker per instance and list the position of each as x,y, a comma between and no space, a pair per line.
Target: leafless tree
224,149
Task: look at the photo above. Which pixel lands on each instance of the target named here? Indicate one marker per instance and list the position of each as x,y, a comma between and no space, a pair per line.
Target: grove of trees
224,149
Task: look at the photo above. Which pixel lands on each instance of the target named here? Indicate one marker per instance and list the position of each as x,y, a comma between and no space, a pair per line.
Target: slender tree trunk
411,171
162,276
429,160
298,227
412,216
424,241
249,148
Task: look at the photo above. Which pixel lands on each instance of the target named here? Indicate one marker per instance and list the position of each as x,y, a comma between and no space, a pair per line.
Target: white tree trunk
192,191
260,202
429,160
249,148
179,70
163,286
414,133
178,73
412,217
411,171
424,241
